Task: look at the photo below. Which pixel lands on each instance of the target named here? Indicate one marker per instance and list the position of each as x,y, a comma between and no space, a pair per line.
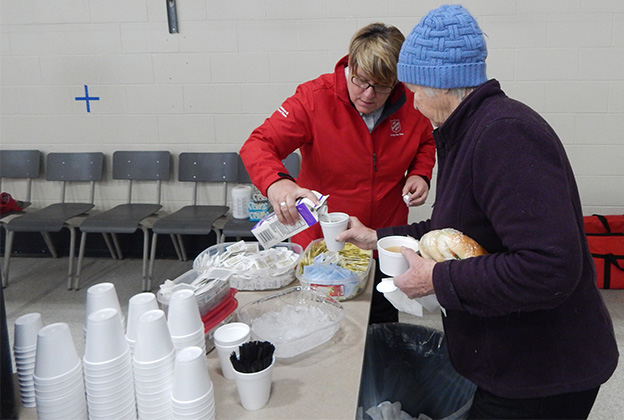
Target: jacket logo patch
282,111
395,126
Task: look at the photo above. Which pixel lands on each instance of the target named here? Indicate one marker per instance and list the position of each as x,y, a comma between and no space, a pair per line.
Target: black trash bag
410,364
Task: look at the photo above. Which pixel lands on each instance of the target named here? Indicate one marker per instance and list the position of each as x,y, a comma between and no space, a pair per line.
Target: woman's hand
283,194
417,281
418,189
358,234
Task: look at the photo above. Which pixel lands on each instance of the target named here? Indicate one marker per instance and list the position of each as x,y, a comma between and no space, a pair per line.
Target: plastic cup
333,224
25,330
100,296
391,260
56,353
254,389
191,379
183,316
137,306
105,336
227,339
153,338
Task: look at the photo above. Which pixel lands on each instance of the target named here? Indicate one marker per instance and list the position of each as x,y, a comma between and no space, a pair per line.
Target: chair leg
83,241
220,234
182,249
152,256
146,280
72,251
49,244
117,246
109,245
176,246
7,257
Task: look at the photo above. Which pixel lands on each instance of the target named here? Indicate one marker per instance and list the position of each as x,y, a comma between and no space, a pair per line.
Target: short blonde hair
375,50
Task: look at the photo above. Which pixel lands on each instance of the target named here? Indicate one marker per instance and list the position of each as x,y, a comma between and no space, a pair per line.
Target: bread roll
448,244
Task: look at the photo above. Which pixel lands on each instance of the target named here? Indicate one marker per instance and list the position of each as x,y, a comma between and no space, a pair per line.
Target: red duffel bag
605,236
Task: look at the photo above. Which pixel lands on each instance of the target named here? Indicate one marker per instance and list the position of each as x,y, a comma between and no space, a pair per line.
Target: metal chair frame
128,217
65,168
195,219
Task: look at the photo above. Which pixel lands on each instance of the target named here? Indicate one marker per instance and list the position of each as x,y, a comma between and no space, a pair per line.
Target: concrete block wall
233,62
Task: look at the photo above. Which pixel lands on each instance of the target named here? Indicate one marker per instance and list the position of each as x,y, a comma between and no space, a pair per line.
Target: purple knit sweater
527,320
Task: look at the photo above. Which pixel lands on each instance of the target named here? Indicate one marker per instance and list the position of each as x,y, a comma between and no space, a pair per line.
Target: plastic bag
409,364
8,203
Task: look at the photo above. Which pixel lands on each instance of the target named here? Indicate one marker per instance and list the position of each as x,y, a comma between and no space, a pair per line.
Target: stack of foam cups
100,296
192,395
184,321
153,363
137,305
108,368
25,349
59,385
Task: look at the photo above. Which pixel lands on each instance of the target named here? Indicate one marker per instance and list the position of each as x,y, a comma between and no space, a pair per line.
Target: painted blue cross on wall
87,98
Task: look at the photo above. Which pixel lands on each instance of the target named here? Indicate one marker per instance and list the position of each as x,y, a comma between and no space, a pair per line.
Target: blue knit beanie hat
445,50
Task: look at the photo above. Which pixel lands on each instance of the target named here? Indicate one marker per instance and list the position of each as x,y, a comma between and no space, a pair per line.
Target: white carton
270,231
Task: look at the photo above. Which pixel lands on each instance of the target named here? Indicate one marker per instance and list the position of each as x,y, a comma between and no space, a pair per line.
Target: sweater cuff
444,290
427,180
384,231
285,175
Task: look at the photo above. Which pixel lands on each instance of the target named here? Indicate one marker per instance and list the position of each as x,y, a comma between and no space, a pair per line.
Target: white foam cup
191,379
137,306
100,296
25,331
333,224
254,389
105,337
183,315
56,352
70,378
153,338
391,260
227,339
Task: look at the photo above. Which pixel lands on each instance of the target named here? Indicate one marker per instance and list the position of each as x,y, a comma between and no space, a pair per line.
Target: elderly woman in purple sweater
525,323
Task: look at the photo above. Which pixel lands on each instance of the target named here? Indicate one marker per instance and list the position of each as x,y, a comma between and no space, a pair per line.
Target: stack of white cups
184,320
153,363
59,385
25,350
100,296
108,368
192,395
137,305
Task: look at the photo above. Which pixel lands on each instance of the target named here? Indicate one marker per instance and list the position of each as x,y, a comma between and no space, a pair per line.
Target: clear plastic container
260,279
207,300
294,320
340,290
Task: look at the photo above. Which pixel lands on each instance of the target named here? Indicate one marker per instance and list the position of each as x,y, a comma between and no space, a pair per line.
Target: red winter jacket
363,173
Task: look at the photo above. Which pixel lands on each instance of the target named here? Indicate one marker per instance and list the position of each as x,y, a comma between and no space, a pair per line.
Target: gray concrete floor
40,285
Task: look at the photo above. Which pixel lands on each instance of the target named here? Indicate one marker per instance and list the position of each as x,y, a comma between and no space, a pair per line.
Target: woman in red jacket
361,141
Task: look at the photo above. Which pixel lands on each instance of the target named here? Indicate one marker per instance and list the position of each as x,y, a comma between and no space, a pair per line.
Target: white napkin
403,303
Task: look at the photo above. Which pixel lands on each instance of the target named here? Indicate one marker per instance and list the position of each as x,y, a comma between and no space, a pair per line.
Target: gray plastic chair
66,168
195,219
128,218
241,228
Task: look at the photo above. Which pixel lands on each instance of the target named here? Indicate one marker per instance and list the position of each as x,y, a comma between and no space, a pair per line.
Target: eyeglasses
365,85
